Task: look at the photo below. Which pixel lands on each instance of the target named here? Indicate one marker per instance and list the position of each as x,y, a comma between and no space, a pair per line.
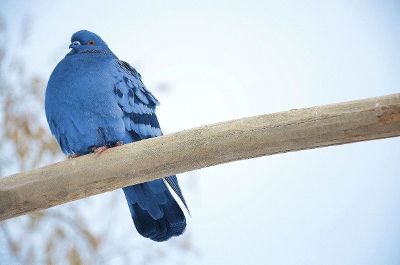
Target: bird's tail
154,211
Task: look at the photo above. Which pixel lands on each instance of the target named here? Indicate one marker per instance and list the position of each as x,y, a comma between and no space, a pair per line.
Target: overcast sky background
225,60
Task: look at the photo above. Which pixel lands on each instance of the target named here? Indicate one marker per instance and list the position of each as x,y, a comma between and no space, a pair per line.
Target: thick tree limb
205,146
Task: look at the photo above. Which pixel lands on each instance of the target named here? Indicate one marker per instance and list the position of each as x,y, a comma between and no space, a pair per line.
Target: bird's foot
99,150
119,143
73,156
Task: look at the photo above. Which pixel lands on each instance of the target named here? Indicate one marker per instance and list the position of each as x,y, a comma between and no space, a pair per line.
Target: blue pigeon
95,101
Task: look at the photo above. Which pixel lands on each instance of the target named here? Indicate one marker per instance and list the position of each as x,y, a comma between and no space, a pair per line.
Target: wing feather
136,102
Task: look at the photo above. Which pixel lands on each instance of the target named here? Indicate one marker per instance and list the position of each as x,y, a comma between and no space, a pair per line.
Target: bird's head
85,41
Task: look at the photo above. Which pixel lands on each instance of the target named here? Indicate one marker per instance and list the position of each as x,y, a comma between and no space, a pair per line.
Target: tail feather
154,211
173,183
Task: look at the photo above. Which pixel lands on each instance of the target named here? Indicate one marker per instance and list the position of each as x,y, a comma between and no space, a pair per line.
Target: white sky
225,60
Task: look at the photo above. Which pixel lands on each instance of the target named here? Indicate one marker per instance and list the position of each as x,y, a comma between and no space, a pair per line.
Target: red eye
91,42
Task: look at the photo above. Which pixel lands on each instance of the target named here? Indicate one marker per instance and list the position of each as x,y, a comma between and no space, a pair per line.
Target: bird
93,102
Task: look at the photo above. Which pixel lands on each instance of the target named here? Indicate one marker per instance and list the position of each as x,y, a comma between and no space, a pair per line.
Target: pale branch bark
293,130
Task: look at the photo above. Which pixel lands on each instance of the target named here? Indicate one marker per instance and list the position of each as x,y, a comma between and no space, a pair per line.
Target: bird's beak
74,44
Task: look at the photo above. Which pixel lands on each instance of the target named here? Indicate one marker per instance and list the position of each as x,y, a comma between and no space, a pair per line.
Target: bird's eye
91,42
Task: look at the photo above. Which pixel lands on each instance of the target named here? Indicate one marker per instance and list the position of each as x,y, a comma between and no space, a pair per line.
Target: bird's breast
81,108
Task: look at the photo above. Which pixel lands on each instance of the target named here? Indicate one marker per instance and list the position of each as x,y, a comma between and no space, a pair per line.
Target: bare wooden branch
205,146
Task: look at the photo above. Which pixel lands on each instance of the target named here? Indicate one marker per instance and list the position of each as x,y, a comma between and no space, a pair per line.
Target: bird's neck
92,52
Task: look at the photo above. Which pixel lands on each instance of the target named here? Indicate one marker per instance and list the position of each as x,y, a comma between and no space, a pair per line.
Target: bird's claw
99,150
73,156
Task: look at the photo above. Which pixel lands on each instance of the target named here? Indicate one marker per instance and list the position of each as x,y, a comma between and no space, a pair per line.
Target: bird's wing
138,106
137,103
